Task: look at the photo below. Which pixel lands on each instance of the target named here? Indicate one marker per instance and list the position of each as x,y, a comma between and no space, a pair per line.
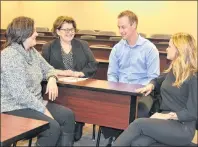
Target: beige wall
154,16
9,10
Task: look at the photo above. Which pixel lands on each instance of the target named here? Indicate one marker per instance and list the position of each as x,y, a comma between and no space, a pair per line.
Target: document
71,79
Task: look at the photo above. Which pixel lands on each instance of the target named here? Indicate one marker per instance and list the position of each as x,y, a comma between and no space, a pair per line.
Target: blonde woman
175,125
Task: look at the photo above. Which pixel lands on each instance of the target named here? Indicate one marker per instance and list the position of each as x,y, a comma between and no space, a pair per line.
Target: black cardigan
83,58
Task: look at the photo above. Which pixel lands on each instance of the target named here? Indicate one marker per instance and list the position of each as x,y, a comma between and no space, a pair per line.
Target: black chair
143,35
90,37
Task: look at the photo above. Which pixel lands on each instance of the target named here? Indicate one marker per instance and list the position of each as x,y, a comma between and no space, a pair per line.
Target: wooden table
14,128
100,102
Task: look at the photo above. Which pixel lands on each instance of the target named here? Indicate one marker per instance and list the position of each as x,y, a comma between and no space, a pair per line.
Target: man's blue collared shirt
137,64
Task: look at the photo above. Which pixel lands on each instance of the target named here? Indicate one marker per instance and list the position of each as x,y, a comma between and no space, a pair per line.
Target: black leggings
63,121
146,131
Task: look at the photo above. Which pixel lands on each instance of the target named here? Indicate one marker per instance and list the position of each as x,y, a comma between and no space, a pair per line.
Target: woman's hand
147,89
70,73
173,116
78,74
165,116
67,73
48,113
52,89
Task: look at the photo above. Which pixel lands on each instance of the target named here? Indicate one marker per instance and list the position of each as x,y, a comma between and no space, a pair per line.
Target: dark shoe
110,141
78,131
66,140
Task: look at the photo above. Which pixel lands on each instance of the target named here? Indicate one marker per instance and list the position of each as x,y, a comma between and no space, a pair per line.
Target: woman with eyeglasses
70,54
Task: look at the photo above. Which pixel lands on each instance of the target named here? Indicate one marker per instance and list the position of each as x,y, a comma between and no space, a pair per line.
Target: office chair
87,37
107,33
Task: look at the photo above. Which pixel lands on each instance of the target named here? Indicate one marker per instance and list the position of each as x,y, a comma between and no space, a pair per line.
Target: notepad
71,79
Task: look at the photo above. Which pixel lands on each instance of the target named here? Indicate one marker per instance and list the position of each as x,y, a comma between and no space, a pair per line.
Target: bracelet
52,76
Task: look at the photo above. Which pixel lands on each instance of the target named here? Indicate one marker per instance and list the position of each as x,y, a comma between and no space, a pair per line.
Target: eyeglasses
72,30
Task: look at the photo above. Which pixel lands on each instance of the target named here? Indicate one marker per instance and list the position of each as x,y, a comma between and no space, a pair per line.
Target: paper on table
71,79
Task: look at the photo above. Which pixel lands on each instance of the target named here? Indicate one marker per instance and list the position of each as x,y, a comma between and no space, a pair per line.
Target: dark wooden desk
99,102
161,44
45,38
14,128
2,42
101,73
2,36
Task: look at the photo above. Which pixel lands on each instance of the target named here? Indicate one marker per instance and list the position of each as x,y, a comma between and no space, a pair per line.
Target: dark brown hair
132,16
19,30
60,21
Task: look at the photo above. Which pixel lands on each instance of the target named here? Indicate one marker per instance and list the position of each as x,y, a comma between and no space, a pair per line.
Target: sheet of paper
71,79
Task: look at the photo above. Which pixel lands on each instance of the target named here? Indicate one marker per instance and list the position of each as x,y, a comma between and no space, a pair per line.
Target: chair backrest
87,32
42,29
143,35
87,37
161,36
41,34
115,38
107,33
99,45
157,99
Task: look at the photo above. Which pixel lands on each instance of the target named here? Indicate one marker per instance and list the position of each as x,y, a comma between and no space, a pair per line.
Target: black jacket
83,58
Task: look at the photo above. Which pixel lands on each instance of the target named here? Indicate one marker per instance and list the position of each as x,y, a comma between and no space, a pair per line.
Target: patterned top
21,75
67,59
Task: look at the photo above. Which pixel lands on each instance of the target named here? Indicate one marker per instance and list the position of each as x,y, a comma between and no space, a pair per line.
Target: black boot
66,140
78,131
110,141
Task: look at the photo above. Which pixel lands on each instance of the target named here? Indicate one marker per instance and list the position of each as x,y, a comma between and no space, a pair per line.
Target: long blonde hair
185,63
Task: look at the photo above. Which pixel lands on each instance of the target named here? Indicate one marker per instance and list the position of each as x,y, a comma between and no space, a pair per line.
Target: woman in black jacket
70,54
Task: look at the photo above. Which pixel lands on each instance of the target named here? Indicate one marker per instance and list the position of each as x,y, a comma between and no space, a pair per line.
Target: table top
104,86
15,128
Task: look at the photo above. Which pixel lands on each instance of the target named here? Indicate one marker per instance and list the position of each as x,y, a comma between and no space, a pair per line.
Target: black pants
144,106
63,121
147,131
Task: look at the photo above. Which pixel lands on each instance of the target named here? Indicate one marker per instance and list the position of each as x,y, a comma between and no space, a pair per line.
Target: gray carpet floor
87,140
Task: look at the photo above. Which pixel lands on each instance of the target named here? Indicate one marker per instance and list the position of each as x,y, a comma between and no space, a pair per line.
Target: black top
83,58
182,101
67,59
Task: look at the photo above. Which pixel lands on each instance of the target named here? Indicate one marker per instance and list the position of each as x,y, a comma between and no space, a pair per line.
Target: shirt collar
140,41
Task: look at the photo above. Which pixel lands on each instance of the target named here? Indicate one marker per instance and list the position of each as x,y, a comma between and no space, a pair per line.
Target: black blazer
83,58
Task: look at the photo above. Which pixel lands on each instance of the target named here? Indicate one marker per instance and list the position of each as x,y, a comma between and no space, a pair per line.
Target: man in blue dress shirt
133,60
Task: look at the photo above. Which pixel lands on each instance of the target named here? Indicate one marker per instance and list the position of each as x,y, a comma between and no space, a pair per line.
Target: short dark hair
60,21
19,29
132,16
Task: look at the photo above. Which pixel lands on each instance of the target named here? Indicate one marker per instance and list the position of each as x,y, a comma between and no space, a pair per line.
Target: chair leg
98,137
94,132
14,144
30,142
